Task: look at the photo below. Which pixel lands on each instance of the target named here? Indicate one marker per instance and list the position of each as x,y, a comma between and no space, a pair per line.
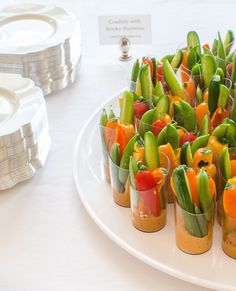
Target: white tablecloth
47,240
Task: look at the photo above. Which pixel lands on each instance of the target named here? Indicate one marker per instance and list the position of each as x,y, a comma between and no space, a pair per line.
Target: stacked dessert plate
24,137
40,42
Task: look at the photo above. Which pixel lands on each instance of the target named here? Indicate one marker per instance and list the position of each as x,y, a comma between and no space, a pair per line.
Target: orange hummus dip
229,244
149,223
191,244
122,199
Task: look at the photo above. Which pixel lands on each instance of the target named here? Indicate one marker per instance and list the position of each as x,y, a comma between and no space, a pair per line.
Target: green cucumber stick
151,151
135,71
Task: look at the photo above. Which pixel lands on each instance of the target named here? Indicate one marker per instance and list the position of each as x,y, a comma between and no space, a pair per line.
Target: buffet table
48,241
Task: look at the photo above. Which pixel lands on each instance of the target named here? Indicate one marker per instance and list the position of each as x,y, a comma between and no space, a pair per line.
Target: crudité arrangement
174,140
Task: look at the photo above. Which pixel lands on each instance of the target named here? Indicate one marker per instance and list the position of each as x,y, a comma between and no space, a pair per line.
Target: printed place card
137,28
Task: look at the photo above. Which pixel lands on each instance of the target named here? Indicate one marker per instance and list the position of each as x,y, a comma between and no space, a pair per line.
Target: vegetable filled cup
148,195
229,220
120,184
227,170
194,209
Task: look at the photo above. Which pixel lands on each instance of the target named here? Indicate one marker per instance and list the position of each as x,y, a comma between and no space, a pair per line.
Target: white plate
213,269
28,28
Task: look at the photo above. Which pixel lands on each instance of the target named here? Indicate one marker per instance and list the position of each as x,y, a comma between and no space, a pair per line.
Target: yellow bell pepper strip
200,111
138,154
192,179
173,156
184,67
110,132
216,148
123,134
203,157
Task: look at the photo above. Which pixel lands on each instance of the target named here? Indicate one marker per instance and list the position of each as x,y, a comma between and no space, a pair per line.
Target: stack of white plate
24,137
40,42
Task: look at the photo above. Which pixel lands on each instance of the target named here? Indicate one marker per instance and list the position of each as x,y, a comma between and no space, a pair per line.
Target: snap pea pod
228,41
128,152
220,73
172,136
146,121
103,117
199,95
182,189
224,161
159,90
162,106
208,68
135,71
178,114
111,113
214,47
213,93
203,189
177,60
103,123
151,151
172,81
221,54
192,57
196,73
233,74
204,128
127,108
115,157
115,153
133,169
186,157
230,135
154,77
200,142
229,57
202,222
223,96
189,117
220,131
146,82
